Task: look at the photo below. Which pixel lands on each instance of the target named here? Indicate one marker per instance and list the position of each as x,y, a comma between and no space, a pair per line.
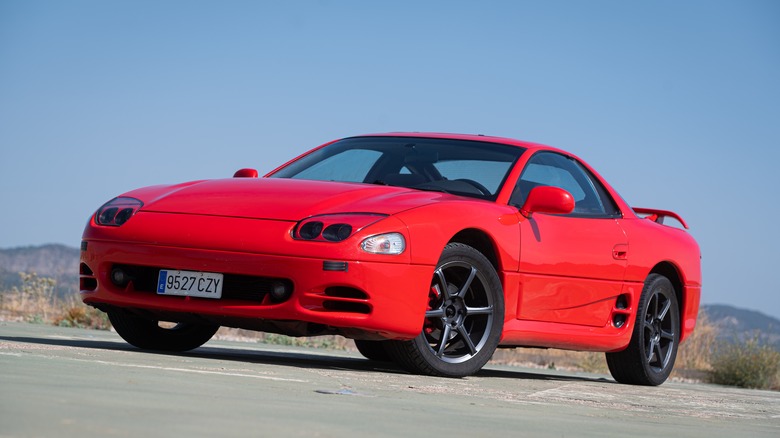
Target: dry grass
748,364
36,302
694,357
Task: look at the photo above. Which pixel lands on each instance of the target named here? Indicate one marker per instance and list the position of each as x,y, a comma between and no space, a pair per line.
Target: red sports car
430,250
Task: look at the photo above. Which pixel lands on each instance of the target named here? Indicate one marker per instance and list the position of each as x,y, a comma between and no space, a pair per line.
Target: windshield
461,167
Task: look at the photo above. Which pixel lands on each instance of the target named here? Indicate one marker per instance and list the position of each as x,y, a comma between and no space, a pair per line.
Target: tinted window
468,168
551,169
349,166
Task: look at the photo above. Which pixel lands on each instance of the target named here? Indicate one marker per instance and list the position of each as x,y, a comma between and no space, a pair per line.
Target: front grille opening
235,287
346,306
345,292
84,270
87,284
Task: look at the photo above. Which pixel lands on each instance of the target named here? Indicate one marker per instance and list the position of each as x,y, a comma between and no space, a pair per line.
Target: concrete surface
71,382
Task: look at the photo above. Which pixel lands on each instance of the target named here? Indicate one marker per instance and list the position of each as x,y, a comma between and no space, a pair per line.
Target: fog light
119,277
280,292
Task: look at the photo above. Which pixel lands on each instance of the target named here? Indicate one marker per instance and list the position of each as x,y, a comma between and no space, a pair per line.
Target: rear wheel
649,357
147,334
464,319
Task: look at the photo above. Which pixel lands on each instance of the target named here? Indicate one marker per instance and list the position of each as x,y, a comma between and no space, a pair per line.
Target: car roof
471,137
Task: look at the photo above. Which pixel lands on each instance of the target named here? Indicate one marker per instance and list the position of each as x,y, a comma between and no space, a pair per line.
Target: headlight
333,227
390,244
117,211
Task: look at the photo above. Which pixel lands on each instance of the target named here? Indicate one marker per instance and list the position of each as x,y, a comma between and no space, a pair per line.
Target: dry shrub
34,301
76,314
695,354
747,364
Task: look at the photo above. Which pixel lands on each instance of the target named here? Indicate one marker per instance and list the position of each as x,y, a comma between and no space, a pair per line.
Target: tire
373,350
464,319
650,355
146,334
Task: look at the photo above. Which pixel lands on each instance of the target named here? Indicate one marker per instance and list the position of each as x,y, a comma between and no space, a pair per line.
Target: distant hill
736,324
59,262
62,263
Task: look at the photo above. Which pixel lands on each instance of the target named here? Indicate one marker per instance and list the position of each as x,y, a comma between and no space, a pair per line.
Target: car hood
281,198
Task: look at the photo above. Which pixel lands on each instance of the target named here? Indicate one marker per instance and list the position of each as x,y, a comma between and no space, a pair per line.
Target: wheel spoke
445,338
443,289
467,284
435,313
667,335
665,310
467,339
659,356
479,310
651,351
654,305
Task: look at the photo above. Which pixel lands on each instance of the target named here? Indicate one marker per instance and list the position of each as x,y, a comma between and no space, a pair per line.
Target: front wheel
464,319
373,350
147,334
649,357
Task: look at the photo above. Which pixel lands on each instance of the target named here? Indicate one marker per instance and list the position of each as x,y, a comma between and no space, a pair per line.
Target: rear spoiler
659,215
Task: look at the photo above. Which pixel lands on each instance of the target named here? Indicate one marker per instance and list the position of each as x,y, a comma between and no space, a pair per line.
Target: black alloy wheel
464,319
650,355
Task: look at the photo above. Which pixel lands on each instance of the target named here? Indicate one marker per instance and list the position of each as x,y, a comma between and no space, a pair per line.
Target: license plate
190,284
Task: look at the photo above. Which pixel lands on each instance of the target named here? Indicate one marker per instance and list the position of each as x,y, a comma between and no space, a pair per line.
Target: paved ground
69,382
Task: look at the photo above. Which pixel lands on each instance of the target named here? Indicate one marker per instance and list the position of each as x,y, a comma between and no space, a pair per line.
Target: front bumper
370,299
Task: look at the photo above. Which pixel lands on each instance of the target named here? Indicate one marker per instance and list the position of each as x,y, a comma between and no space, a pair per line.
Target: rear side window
551,169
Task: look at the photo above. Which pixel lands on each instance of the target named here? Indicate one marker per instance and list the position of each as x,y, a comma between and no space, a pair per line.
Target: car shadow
297,359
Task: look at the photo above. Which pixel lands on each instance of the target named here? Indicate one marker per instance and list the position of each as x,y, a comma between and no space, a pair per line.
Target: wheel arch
480,241
672,272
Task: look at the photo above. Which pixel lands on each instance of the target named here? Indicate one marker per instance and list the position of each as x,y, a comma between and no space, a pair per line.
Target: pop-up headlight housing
333,227
117,211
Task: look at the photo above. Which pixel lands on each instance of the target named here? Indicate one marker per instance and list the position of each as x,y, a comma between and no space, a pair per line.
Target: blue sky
676,104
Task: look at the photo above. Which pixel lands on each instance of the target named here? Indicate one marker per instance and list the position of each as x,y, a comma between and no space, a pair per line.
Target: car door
571,266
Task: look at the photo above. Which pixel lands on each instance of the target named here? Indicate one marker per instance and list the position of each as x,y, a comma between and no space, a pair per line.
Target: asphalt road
70,382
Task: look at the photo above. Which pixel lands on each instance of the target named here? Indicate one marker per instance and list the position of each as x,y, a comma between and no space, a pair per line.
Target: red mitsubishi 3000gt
429,250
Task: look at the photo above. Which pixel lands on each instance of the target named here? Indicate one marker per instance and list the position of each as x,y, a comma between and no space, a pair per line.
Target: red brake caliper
434,297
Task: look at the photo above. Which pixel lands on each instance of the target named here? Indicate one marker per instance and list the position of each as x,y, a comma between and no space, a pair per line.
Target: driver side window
552,169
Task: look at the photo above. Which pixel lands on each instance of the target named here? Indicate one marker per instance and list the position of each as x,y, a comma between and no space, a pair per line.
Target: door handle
620,252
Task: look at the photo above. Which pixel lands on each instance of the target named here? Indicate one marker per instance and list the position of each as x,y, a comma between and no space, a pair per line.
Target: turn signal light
389,244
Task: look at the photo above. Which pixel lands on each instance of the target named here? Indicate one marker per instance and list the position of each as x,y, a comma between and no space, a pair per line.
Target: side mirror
245,173
548,199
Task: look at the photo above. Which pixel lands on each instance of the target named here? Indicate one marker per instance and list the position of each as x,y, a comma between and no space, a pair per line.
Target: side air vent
621,311
622,302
